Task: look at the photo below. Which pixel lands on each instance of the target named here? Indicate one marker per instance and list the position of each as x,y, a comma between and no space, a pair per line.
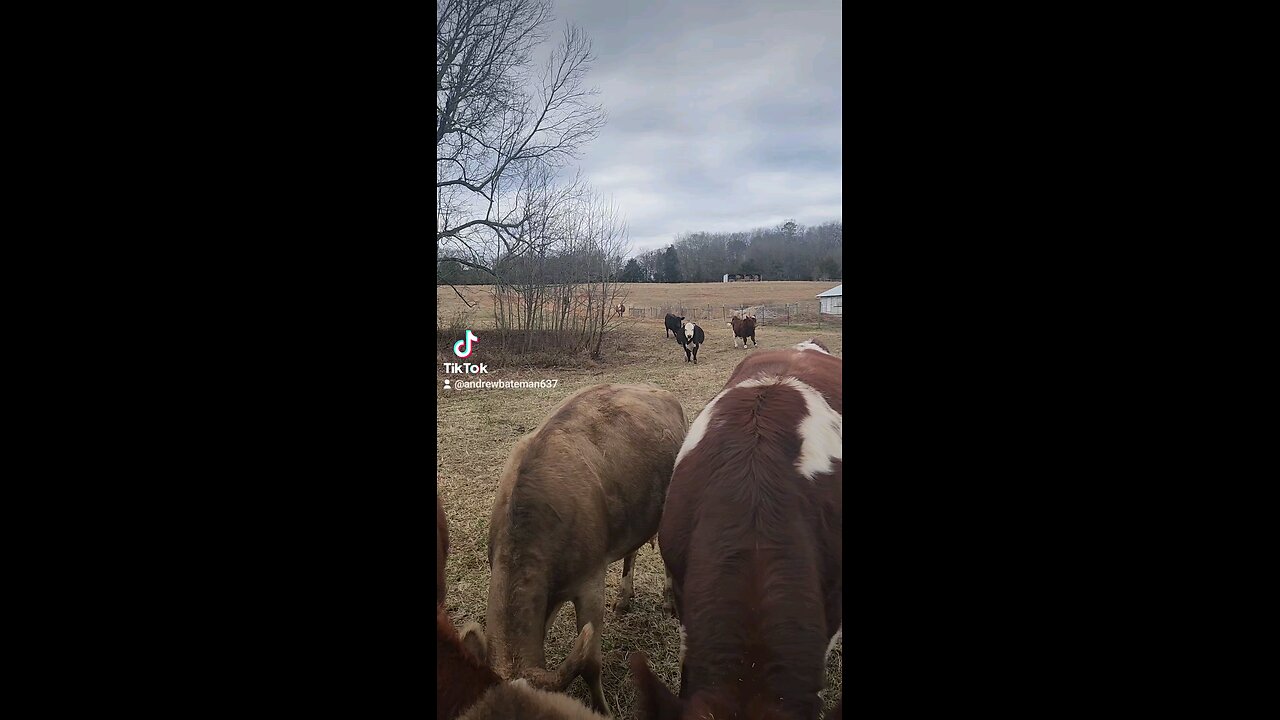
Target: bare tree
497,125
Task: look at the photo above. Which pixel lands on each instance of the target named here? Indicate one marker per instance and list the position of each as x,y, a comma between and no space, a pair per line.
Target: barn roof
833,292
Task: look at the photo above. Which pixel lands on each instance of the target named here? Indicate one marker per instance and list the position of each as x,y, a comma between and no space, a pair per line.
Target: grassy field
654,295
477,429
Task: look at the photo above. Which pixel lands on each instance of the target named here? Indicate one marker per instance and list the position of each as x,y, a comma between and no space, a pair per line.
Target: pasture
478,427
656,295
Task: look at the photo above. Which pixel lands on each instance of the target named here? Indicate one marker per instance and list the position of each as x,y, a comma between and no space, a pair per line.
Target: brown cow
468,689
582,490
751,537
621,309
743,327
442,549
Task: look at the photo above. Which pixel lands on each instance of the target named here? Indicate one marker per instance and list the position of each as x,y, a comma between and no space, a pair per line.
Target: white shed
829,301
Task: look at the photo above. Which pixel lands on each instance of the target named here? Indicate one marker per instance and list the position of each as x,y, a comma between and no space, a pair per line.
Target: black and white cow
690,337
673,324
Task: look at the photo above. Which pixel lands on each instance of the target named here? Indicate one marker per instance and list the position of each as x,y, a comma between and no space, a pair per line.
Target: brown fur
581,491
520,702
460,678
468,689
753,549
442,549
743,327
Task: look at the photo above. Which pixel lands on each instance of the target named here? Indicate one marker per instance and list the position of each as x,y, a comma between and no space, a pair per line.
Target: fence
800,312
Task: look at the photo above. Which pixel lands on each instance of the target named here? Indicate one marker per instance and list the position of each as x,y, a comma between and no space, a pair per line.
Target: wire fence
784,314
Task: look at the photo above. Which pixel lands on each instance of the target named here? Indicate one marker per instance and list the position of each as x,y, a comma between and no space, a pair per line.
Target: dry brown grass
656,295
477,429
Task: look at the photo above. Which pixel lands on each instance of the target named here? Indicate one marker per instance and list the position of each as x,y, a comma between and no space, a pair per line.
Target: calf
673,324
442,549
743,327
751,537
468,689
582,490
691,336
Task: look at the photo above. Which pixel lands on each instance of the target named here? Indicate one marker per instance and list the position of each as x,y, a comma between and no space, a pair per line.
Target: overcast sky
723,116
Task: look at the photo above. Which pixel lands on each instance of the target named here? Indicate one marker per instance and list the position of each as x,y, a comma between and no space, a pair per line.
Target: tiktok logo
468,340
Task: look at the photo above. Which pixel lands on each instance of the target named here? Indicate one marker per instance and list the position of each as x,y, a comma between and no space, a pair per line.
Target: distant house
750,277
829,301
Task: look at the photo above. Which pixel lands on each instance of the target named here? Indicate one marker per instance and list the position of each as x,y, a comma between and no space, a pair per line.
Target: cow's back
591,479
751,530
812,367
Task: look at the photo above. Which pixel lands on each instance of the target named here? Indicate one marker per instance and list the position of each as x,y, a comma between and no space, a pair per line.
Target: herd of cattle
746,507
691,337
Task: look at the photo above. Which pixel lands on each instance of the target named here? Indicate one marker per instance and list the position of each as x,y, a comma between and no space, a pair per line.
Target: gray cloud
722,115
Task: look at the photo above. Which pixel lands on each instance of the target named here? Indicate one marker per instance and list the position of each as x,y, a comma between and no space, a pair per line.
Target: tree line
787,252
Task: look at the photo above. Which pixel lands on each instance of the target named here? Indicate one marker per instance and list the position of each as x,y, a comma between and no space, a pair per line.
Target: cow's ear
656,701
473,640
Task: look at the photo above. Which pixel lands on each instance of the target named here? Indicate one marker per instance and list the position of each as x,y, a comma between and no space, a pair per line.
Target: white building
829,301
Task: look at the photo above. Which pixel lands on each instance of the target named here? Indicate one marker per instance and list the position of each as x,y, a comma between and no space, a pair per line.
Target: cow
442,549
582,490
621,309
751,538
673,324
467,688
743,327
691,336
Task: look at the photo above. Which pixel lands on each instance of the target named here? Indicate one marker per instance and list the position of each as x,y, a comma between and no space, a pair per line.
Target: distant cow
690,338
442,549
621,309
673,324
743,327
751,538
582,490
467,688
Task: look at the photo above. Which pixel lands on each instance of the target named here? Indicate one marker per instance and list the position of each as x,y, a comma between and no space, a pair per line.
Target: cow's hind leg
627,591
589,607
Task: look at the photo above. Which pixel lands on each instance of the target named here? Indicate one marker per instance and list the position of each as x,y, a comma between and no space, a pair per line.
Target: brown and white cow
582,490
442,549
743,327
751,537
468,689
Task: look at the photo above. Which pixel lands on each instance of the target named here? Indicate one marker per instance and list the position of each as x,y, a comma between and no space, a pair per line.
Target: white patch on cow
832,645
806,345
521,682
688,331
821,433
